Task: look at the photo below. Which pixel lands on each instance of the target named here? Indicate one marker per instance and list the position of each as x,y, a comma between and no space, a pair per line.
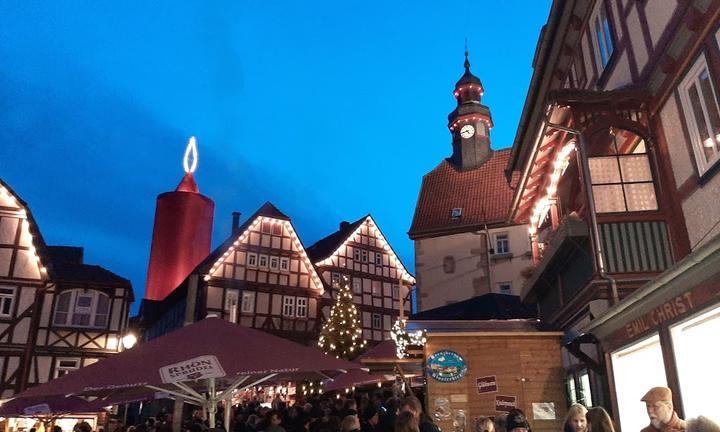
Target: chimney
235,222
344,224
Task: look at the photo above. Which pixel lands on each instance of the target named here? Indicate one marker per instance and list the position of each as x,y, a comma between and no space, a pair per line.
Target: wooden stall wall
526,366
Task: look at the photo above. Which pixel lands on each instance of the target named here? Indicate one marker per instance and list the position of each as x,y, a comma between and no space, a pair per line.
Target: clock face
467,131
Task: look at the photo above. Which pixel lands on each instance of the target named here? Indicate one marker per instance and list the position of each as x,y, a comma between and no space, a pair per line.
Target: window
364,255
274,263
570,389
251,260
585,392
376,321
622,181
301,308
7,298
356,254
65,366
395,292
504,287
456,213
289,306
700,106
502,243
636,369
603,37
248,302
378,258
231,305
376,288
357,285
263,261
335,279
82,308
689,344
285,264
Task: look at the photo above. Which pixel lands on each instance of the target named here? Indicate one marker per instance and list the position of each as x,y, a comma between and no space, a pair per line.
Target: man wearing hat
663,417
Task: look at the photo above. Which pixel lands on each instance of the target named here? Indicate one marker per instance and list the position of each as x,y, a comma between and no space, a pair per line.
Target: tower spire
467,61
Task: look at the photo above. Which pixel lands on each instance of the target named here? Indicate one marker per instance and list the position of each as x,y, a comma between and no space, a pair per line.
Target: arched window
82,308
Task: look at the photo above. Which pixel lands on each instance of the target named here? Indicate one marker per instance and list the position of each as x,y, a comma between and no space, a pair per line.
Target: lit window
231,305
585,392
689,341
248,302
80,308
289,306
456,213
284,264
301,308
502,243
376,321
263,261
603,37
7,298
700,106
335,279
252,260
378,258
356,254
274,263
357,285
396,292
65,366
622,182
505,287
364,255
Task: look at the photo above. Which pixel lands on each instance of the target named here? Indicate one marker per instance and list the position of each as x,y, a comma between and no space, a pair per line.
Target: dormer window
82,308
456,213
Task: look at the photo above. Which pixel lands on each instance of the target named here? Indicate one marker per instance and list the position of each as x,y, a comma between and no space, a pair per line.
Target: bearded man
661,412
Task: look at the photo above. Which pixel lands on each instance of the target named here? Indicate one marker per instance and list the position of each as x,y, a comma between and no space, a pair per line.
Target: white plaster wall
680,158
637,39
702,211
436,287
508,269
658,14
620,76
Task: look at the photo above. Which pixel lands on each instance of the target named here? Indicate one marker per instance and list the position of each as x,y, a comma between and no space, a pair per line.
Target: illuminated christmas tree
341,334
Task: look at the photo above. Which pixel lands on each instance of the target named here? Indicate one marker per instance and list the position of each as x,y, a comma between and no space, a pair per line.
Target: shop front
666,334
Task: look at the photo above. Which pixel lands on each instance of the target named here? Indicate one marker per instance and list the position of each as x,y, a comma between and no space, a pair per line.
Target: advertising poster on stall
505,403
486,384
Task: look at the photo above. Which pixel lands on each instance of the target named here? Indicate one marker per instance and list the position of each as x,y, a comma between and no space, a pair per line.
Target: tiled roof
324,247
491,306
67,271
482,194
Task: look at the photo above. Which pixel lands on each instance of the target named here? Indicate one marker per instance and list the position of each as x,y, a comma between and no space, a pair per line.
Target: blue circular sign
446,366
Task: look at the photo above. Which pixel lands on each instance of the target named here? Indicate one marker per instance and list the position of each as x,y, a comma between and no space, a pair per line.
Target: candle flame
190,160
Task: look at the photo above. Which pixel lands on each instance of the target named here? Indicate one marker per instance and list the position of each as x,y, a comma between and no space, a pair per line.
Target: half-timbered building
259,277
57,314
380,282
617,156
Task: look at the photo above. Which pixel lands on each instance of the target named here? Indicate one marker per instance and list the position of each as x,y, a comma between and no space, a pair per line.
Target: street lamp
129,341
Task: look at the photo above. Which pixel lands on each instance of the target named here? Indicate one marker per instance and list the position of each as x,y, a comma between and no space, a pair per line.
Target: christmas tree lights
403,339
341,334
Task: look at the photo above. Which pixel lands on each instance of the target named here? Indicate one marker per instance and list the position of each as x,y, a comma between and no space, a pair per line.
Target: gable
19,240
368,237
267,251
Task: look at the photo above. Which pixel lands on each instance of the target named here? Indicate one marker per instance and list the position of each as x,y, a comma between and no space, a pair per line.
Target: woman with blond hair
575,420
484,424
598,420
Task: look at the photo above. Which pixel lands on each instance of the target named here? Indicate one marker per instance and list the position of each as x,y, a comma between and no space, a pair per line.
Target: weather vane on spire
190,160
467,62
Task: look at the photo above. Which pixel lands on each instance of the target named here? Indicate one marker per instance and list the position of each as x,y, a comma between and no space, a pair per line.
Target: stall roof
489,306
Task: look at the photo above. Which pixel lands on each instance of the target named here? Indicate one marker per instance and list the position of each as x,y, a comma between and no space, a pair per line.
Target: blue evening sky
331,110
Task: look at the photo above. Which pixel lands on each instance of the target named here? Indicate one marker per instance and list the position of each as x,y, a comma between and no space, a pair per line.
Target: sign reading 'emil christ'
666,311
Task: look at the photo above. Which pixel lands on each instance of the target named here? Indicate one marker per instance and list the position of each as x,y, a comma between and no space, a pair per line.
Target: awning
202,363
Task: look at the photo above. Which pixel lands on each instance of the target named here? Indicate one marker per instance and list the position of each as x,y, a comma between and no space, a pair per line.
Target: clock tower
469,123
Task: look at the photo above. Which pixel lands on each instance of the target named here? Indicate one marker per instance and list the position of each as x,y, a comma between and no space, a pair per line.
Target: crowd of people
385,412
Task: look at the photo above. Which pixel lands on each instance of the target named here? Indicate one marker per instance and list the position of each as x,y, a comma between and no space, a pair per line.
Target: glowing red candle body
181,236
